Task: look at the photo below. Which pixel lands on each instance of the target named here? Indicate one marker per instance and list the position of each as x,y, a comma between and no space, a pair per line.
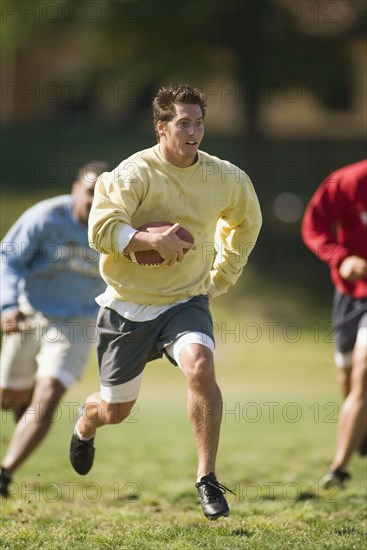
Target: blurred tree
144,43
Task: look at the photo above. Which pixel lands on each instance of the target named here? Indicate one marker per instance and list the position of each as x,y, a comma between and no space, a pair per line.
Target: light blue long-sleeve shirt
46,259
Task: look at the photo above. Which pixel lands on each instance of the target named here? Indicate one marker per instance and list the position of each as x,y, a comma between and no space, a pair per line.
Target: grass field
281,405
278,434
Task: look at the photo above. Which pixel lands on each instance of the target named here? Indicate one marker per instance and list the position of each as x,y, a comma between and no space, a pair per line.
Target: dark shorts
346,317
124,347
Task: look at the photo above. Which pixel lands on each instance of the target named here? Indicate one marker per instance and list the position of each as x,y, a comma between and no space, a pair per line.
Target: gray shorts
124,347
349,321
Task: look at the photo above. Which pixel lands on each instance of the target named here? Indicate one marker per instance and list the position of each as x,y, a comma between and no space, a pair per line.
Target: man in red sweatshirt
335,229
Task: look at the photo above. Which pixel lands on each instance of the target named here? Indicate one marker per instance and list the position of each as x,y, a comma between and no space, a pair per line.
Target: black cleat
335,478
81,452
5,479
212,498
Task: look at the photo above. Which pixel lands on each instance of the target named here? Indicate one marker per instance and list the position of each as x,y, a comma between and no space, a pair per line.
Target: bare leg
13,399
204,404
344,379
353,415
35,422
98,413
94,414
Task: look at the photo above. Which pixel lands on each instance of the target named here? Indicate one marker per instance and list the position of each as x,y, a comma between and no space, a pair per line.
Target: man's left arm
237,233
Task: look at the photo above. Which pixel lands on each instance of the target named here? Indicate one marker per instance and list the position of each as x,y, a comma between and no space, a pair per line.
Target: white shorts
47,347
129,391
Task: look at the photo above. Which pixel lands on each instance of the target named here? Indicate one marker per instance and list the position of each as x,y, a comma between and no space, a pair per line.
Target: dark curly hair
168,96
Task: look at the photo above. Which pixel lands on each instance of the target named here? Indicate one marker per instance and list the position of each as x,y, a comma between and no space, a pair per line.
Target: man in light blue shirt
49,280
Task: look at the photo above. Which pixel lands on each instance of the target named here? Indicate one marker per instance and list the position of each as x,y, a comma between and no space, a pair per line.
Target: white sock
80,436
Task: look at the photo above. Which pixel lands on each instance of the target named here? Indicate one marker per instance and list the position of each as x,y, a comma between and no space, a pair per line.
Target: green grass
281,401
281,404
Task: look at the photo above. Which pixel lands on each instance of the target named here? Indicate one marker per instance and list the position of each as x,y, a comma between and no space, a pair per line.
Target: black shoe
335,478
81,452
5,479
212,498
363,447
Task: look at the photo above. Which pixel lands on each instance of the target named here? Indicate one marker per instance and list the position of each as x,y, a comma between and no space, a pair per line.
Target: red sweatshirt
335,223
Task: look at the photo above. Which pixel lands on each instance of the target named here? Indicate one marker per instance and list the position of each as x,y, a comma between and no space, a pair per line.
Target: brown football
152,257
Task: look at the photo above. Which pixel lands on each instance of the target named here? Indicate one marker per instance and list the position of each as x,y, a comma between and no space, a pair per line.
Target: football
152,257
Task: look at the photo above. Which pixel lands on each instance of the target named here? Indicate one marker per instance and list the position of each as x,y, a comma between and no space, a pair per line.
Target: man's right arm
110,221
167,244
318,225
17,250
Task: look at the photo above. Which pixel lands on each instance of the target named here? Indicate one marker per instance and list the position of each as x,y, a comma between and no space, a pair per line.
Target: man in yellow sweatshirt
147,311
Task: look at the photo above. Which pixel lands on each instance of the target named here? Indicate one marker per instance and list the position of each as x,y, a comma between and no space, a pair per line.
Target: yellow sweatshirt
213,199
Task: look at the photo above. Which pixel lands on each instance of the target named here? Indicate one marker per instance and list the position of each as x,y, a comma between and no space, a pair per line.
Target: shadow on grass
349,531
240,533
306,495
303,496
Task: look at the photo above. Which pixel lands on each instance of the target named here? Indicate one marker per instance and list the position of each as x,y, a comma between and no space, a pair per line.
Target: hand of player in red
353,268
